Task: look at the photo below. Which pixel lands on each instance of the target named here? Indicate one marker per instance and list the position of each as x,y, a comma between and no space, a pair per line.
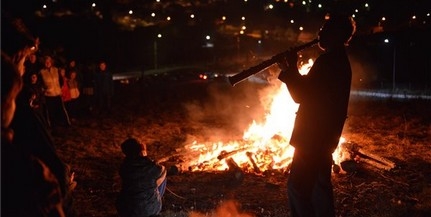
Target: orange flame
264,146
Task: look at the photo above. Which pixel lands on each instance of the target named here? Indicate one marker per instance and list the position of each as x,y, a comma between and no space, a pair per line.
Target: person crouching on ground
143,182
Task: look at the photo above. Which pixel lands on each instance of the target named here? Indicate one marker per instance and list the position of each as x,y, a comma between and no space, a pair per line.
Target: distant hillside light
130,12
366,5
44,6
292,21
192,16
301,28
168,18
242,18
304,2
93,5
153,14
414,17
223,17
159,35
319,5
383,18
270,6
386,40
208,37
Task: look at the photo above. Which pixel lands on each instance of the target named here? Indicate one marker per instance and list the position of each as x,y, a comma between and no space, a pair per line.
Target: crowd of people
39,94
60,93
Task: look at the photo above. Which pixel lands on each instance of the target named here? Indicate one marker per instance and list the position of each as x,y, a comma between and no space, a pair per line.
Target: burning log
360,155
253,162
225,154
377,161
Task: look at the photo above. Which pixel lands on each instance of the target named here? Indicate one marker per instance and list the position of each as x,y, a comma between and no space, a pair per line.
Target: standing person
323,96
57,114
104,88
64,84
32,66
72,105
34,92
143,182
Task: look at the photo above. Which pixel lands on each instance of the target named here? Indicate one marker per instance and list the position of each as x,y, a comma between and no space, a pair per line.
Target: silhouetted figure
104,88
323,96
31,173
143,182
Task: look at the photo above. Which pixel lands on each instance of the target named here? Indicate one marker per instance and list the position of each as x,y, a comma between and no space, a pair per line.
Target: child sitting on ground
143,182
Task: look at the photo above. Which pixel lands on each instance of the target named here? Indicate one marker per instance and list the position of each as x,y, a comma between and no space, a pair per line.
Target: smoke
226,209
227,110
364,70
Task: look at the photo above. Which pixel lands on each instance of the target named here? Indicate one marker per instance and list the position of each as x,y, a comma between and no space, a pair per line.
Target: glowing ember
265,146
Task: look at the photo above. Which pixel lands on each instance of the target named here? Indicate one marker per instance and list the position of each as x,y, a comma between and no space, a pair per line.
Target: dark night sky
88,38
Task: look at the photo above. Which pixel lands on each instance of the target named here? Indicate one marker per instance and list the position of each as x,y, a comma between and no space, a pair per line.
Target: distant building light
353,15
319,5
159,35
168,18
270,6
301,28
259,41
243,27
208,37
157,0
223,17
130,12
428,14
383,18
386,40
304,2
93,5
356,10
292,21
414,17
242,18
44,6
366,5
241,32
153,14
192,16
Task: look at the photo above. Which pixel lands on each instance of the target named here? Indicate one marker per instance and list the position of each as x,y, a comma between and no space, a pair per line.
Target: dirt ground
167,118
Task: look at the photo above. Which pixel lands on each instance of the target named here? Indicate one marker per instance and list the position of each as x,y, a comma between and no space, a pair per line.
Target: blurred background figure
57,114
73,105
104,88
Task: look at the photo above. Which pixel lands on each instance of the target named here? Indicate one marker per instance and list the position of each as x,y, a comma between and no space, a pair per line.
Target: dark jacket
323,96
104,85
139,196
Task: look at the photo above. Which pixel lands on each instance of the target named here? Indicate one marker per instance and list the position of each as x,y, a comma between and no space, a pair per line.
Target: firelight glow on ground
264,145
